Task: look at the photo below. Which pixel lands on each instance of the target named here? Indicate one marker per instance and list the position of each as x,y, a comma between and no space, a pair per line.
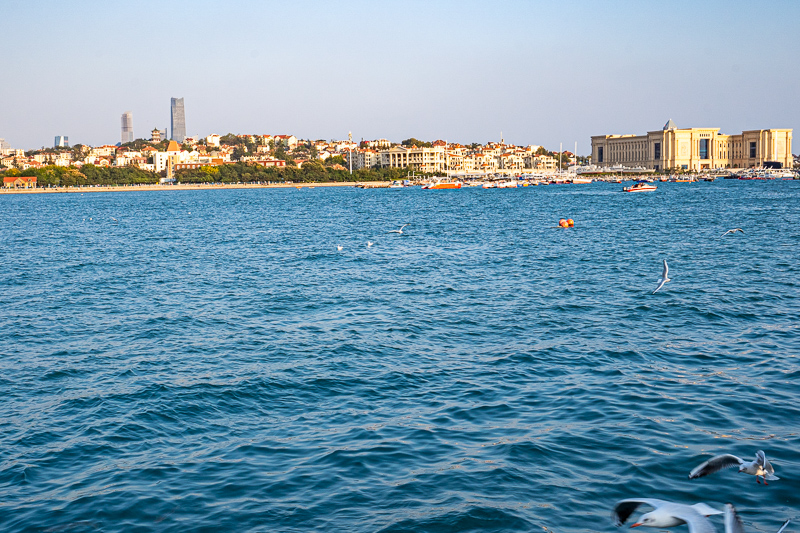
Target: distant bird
664,277
114,219
759,467
400,231
369,244
339,247
666,514
734,230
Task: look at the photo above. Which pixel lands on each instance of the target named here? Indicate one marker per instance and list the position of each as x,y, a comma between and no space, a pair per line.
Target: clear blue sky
539,72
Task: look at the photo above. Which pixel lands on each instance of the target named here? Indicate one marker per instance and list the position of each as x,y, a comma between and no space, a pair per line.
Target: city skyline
540,73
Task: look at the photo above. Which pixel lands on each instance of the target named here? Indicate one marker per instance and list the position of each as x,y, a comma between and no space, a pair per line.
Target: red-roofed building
19,182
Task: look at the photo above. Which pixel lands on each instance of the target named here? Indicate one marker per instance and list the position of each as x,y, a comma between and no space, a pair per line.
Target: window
752,149
656,150
703,148
599,154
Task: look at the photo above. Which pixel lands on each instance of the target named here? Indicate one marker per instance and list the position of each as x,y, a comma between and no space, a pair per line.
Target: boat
439,184
640,187
581,180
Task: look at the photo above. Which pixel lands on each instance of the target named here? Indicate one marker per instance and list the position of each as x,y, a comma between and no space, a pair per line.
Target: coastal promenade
187,187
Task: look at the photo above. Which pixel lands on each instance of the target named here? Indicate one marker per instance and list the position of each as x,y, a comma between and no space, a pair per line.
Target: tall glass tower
127,127
177,120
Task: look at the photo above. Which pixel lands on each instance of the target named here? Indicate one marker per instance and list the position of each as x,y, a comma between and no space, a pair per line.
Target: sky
544,73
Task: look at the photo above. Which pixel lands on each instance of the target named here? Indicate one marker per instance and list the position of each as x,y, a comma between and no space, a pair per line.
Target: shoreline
189,187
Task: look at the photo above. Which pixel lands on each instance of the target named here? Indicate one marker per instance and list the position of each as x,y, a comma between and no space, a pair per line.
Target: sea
211,361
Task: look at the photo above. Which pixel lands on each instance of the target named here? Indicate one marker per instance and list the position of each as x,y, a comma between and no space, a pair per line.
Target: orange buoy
563,223
570,222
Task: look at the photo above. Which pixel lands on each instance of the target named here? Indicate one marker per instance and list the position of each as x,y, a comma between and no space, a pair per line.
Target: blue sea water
211,362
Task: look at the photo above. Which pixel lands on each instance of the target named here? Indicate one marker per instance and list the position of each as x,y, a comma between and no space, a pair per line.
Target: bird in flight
339,247
400,231
666,514
759,467
734,230
369,243
664,277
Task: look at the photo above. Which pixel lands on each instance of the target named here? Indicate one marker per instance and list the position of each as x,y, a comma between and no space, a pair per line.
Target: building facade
694,149
177,124
61,141
127,127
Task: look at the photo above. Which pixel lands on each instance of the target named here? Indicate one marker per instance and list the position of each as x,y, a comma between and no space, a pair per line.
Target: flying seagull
369,244
400,231
664,277
759,467
666,514
733,524
339,247
734,230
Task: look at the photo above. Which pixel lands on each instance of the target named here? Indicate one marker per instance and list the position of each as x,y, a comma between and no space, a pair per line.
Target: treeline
310,172
53,176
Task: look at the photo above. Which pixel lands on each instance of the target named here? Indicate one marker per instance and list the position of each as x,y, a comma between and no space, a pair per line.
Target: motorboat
439,184
640,187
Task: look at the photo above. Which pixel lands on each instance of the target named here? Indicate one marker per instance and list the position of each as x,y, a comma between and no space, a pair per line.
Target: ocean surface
205,361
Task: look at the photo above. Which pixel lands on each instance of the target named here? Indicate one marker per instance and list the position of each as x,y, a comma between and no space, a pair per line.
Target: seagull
369,244
664,277
114,219
759,467
339,247
733,524
734,230
666,514
400,231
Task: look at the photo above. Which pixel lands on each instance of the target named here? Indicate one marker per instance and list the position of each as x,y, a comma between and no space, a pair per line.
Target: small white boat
640,187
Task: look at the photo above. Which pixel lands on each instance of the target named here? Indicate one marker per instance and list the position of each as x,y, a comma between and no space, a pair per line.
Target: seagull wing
705,510
733,524
625,508
665,274
715,464
697,523
761,458
784,525
661,284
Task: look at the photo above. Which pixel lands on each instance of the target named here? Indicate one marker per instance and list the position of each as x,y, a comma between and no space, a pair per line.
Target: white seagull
400,231
733,524
369,244
339,247
759,467
664,277
734,230
666,514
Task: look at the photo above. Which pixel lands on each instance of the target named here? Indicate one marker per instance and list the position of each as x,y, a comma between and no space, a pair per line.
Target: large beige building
694,149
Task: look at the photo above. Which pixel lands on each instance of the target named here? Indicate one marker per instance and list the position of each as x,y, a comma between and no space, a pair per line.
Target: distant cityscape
670,148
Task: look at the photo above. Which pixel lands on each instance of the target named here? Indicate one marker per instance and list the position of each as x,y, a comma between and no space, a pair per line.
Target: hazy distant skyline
539,72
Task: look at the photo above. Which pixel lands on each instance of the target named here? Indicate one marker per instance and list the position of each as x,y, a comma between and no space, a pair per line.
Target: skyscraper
62,141
177,120
127,127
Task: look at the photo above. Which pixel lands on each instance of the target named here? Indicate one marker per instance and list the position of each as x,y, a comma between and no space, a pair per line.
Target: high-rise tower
177,120
127,127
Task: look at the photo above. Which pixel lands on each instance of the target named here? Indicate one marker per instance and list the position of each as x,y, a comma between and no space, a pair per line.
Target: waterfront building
177,120
61,141
127,127
694,149
19,182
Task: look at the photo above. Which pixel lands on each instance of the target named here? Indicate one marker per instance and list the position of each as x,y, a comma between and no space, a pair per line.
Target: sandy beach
190,187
